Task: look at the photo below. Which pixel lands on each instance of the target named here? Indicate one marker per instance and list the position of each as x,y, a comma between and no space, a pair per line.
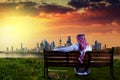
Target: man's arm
67,49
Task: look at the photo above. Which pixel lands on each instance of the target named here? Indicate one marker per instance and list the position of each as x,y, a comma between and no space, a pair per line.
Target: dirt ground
116,57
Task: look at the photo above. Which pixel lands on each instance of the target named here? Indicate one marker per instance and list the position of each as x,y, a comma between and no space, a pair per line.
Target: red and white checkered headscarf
82,45
82,41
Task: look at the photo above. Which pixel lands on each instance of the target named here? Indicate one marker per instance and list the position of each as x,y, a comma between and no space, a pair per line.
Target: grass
32,69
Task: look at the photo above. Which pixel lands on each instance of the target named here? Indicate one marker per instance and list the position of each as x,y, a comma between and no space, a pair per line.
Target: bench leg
111,73
45,71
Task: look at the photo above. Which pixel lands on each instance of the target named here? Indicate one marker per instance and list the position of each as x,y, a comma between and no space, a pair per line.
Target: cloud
53,8
95,0
102,20
32,8
113,1
92,3
110,12
79,3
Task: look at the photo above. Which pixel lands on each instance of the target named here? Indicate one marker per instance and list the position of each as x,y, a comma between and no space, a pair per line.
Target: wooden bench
70,59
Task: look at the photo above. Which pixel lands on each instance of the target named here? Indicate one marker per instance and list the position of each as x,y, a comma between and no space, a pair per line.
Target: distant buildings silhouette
40,46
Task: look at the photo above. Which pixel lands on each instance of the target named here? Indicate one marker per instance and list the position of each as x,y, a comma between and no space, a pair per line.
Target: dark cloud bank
100,11
32,8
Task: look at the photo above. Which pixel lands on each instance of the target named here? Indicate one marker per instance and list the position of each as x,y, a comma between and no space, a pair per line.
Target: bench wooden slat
56,58
99,52
70,62
55,55
100,55
64,59
100,59
63,65
58,64
99,64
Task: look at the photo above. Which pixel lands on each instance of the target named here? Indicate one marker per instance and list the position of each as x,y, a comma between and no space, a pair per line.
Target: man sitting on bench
82,46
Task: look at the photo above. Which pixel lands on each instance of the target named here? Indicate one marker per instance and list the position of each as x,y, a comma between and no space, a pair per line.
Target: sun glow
16,29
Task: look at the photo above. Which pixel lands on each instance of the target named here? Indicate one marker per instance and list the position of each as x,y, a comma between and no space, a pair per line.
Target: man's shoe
87,71
79,71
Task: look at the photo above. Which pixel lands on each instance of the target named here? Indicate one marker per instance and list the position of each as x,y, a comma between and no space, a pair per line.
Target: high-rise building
37,48
21,46
52,45
12,48
45,45
97,45
68,42
60,41
7,49
41,46
105,46
37,45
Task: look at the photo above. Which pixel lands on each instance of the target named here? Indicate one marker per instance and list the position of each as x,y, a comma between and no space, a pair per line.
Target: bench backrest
56,58
101,58
92,58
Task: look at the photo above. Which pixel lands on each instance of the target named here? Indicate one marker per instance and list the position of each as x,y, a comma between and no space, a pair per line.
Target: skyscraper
12,48
52,45
41,46
68,41
60,41
97,45
37,48
45,45
22,47
7,49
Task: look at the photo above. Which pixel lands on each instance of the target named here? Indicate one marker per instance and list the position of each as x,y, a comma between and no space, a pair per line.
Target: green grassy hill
32,69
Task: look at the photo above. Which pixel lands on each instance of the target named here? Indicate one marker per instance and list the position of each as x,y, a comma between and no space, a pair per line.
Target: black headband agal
81,35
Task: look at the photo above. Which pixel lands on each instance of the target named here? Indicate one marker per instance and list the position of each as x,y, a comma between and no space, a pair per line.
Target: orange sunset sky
31,21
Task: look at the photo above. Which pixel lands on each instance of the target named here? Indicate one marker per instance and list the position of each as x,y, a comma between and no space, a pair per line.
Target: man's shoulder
89,47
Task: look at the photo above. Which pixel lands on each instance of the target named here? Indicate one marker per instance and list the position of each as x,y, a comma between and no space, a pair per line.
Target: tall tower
21,46
52,45
97,45
45,45
37,45
12,48
7,49
105,46
60,41
68,42
37,48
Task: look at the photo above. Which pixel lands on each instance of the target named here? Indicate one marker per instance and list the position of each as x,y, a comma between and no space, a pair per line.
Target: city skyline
44,44
29,22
